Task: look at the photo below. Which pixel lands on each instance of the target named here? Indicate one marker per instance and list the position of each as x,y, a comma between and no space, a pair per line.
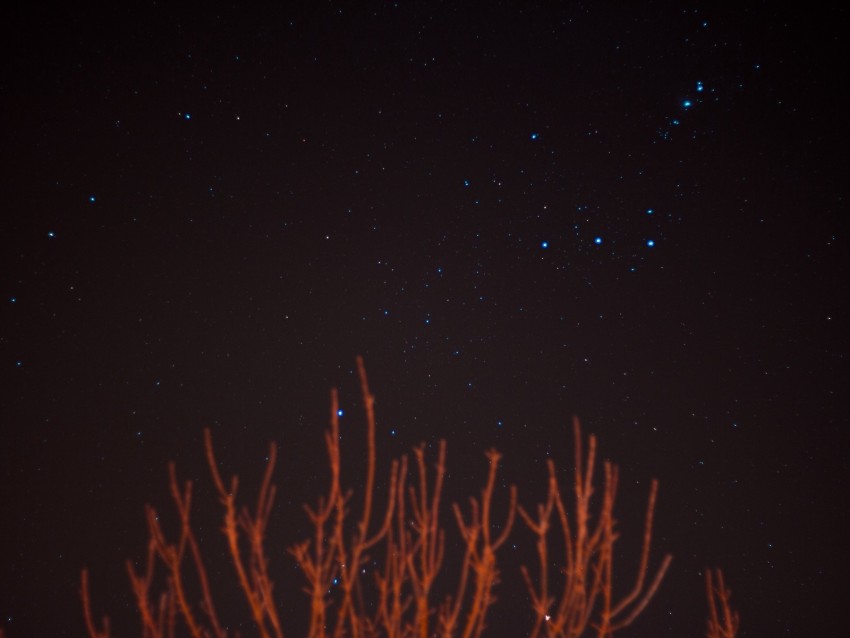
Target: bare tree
586,591
380,573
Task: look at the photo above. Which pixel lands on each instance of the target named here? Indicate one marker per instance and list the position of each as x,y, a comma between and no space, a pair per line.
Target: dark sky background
515,214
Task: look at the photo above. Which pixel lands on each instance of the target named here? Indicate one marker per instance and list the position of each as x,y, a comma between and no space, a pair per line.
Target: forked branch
586,594
722,619
355,595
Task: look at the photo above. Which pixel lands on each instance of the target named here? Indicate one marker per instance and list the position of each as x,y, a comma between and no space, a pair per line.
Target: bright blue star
187,116
544,244
700,87
339,412
649,211
466,183
686,104
19,363
597,241
13,299
650,242
534,136
91,198
51,234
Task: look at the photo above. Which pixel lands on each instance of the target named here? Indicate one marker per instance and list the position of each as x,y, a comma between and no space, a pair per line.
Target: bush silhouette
374,574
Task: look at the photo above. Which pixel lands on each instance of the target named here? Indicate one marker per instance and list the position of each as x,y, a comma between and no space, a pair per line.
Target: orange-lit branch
317,559
351,556
153,623
353,595
587,591
393,597
725,623
253,577
480,557
426,554
85,596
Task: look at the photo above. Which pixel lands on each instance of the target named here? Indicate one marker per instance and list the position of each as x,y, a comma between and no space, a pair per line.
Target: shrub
402,599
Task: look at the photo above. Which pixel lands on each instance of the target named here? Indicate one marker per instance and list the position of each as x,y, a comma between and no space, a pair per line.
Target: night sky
515,215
